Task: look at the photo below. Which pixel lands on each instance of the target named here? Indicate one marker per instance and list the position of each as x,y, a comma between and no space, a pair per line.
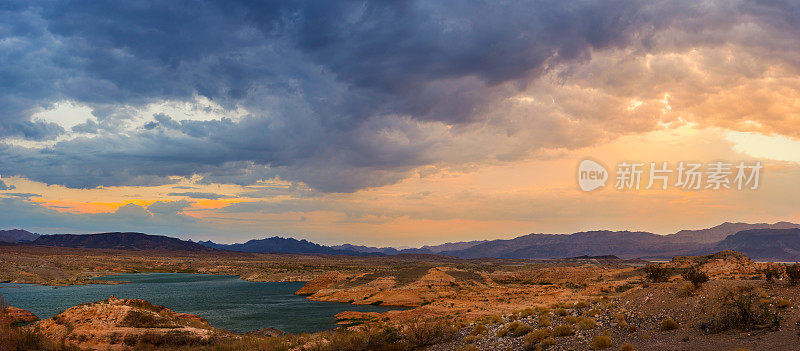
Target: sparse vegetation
586,323
543,321
656,273
560,312
772,272
783,303
695,276
793,273
627,347
741,308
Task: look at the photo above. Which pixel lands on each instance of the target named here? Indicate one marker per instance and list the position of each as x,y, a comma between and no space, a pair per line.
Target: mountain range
762,241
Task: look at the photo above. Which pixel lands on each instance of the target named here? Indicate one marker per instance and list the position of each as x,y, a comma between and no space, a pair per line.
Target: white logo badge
591,175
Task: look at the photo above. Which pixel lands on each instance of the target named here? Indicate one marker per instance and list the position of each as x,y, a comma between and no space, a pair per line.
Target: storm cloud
337,95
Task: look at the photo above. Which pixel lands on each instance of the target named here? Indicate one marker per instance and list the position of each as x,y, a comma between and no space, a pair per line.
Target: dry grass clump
686,290
581,304
563,330
544,321
543,310
479,329
560,312
472,338
145,319
468,348
586,323
627,347
170,339
601,342
528,312
783,303
593,312
668,324
537,336
513,329
493,319
427,332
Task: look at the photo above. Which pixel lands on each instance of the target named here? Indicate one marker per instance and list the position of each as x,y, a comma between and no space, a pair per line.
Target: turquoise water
225,301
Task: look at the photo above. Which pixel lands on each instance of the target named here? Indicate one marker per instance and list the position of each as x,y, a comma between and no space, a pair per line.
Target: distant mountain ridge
278,244
760,241
17,235
119,241
722,231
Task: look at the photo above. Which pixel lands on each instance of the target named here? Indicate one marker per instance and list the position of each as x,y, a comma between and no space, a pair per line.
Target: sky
398,123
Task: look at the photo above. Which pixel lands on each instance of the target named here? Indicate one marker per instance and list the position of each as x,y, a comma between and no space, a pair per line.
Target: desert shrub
543,310
772,272
513,329
537,336
547,342
601,342
15,338
686,290
560,312
793,273
695,276
426,332
139,319
668,324
471,338
581,304
741,308
469,348
571,319
493,319
528,312
543,321
656,273
479,329
627,347
563,330
170,339
586,323
145,305
783,303
593,312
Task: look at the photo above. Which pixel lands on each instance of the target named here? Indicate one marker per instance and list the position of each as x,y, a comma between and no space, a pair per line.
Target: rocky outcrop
120,323
13,315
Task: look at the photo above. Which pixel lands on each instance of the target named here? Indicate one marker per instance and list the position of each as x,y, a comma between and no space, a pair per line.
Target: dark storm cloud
336,91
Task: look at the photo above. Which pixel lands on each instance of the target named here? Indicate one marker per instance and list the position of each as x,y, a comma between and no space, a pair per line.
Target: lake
227,302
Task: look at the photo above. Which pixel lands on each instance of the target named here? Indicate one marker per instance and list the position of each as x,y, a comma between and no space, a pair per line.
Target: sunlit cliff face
390,124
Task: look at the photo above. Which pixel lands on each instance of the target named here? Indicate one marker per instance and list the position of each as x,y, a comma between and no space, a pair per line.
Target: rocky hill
765,244
17,235
123,323
722,231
